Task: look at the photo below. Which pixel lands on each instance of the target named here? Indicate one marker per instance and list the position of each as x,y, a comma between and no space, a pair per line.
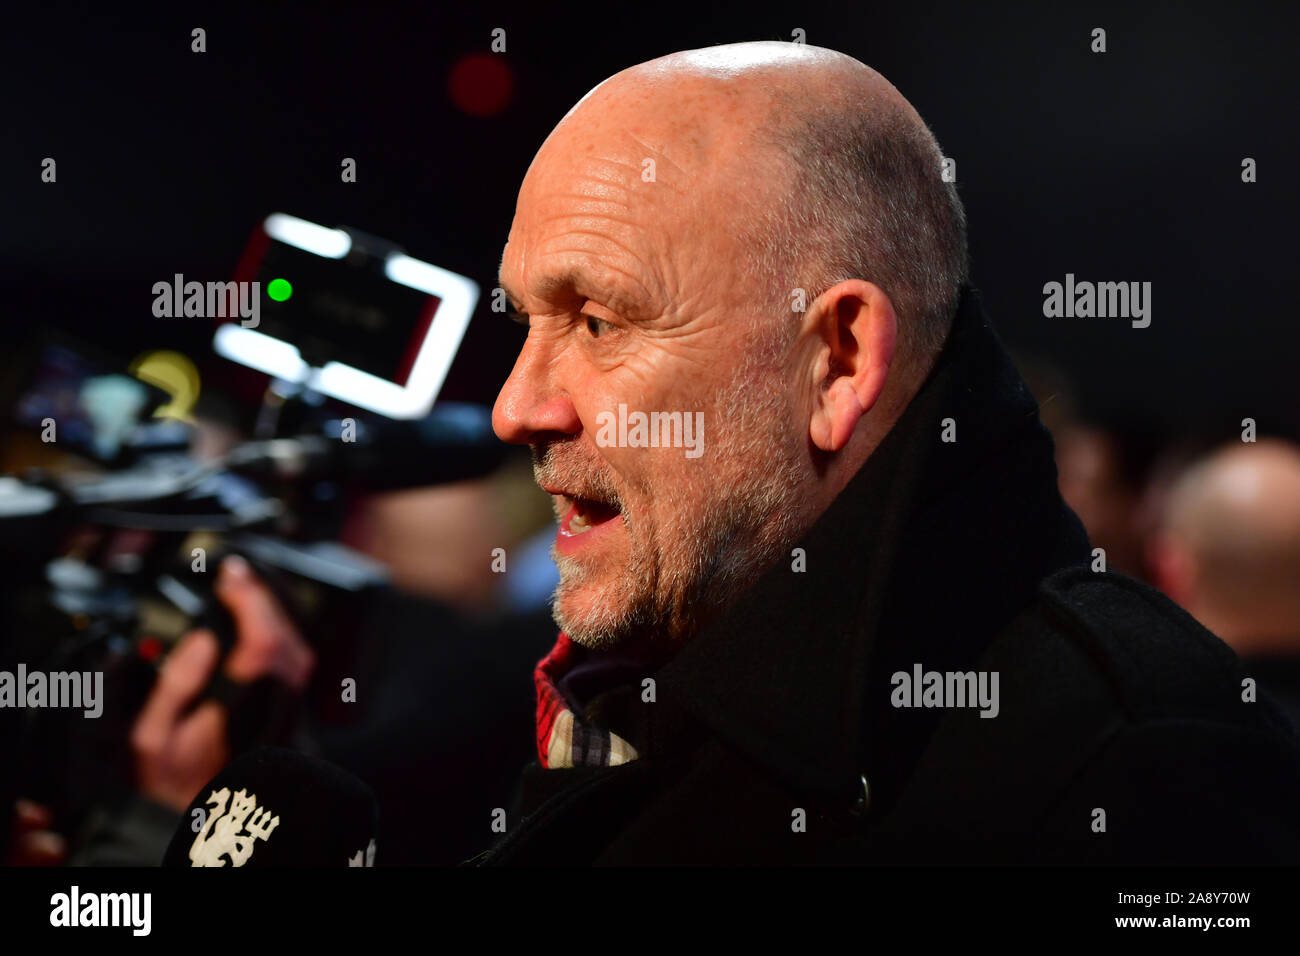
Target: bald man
1228,551
820,599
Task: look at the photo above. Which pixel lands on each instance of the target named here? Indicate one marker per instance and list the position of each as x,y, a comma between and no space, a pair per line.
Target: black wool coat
1123,731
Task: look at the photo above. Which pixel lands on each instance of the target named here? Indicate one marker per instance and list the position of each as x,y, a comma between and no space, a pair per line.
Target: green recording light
279,289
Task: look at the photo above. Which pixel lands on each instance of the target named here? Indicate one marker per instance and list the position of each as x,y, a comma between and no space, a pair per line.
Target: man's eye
596,326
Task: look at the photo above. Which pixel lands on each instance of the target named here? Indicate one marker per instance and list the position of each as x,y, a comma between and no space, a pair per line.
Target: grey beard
724,562
742,534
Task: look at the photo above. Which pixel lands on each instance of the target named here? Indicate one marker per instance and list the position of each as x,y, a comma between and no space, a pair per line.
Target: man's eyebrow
501,282
510,293
553,285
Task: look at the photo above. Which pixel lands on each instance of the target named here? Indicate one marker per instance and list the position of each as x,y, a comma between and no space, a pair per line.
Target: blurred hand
178,749
34,843
267,642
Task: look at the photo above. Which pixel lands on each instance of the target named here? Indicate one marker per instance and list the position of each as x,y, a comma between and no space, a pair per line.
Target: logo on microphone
229,833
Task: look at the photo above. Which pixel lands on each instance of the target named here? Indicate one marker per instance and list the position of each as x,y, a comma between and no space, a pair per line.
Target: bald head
814,161
1231,544
756,237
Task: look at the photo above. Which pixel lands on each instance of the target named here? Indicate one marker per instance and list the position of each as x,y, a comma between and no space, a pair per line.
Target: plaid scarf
570,681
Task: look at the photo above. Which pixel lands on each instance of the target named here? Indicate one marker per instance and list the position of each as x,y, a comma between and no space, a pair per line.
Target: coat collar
931,549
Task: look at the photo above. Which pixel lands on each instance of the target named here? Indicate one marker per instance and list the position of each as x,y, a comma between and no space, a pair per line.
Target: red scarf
564,739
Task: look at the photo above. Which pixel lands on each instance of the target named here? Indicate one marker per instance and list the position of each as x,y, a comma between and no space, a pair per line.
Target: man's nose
531,402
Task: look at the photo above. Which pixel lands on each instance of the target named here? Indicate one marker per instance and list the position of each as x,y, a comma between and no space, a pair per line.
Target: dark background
1117,166
1122,166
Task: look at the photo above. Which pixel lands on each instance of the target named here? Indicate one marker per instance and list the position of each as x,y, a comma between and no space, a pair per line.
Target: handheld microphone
274,807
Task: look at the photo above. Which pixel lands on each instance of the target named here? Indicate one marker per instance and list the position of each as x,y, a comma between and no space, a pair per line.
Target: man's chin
591,614
586,619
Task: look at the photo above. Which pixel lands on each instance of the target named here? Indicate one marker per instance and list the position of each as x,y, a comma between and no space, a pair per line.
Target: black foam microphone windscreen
277,807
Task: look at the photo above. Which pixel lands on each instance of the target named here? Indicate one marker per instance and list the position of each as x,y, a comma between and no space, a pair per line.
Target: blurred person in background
426,537
1095,468
1228,550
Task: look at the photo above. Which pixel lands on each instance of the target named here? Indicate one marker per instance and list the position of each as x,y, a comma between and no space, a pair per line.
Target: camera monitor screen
374,328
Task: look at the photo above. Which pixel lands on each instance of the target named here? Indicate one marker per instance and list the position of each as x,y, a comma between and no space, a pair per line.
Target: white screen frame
458,296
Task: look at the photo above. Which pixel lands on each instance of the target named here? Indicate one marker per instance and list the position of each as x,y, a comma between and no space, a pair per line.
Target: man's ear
855,330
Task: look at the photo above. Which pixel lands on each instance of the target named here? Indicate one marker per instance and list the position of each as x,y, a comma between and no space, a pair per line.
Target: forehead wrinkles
604,216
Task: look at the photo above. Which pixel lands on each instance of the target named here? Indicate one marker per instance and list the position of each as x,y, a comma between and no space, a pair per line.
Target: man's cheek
642,430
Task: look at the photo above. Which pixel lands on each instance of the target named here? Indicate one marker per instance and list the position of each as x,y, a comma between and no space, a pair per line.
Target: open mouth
583,514
583,518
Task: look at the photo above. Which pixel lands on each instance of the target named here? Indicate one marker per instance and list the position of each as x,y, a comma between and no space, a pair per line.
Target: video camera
102,569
